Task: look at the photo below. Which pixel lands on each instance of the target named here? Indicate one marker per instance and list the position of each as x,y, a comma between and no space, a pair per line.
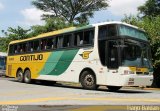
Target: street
13,92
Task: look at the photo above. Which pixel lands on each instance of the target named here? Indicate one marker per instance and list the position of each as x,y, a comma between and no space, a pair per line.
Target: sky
22,13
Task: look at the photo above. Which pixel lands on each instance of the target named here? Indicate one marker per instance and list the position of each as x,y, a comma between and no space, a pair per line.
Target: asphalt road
13,92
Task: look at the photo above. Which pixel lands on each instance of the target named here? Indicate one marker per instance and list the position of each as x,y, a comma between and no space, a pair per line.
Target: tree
17,33
13,34
51,24
3,45
150,9
72,11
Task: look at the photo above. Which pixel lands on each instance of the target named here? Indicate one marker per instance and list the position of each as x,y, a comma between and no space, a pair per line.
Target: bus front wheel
88,80
20,77
27,76
114,88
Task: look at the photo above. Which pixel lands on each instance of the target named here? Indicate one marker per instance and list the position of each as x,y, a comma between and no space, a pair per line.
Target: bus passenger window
11,49
43,44
54,43
50,43
78,39
36,46
60,42
30,49
66,41
15,49
23,48
18,48
88,37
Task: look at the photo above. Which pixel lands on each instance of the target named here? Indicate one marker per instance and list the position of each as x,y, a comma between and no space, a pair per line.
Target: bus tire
88,80
20,76
27,76
114,88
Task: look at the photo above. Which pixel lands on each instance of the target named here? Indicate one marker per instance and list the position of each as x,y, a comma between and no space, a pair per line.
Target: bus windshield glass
132,32
136,54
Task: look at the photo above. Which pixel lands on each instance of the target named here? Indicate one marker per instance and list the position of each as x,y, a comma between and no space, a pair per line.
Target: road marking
25,101
100,108
29,101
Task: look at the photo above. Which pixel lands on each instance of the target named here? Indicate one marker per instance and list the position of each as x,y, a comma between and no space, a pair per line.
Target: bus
112,54
2,63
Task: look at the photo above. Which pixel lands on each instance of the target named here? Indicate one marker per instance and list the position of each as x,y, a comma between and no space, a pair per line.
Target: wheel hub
89,80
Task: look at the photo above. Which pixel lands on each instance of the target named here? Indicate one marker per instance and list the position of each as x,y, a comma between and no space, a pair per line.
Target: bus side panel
84,58
33,62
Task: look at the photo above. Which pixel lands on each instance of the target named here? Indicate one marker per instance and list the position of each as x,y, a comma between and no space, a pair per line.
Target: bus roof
70,29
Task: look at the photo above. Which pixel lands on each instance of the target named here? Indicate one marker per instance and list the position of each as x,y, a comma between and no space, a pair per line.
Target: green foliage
50,25
17,33
72,11
150,9
12,34
3,45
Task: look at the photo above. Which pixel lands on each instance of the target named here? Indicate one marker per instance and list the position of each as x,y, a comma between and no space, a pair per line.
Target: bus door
112,54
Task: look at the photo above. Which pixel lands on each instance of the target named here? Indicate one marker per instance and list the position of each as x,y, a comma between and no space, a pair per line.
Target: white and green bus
113,54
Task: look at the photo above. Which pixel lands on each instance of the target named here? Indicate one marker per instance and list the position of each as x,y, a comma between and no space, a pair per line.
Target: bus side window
67,40
36,45
11,49
54,43
18,48
88,37
50,44
15,49
78,39
43,44
23,47
30,47
60,42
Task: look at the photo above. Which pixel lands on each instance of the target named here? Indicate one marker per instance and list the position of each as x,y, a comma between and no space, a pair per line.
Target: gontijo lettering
31,57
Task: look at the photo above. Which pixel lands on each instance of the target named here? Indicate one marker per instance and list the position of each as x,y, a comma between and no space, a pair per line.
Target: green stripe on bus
58,62
51,62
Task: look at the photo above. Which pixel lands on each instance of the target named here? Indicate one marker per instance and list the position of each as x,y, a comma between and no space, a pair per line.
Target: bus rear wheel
27,76
88,80
20,77
114,88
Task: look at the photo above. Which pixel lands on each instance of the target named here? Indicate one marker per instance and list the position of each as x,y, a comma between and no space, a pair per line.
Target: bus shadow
61,85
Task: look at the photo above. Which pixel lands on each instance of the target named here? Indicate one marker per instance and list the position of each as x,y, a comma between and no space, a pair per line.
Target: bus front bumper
137,80
130,80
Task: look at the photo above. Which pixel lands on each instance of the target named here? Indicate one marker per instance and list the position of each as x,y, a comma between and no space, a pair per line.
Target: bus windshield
132,32
136,54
